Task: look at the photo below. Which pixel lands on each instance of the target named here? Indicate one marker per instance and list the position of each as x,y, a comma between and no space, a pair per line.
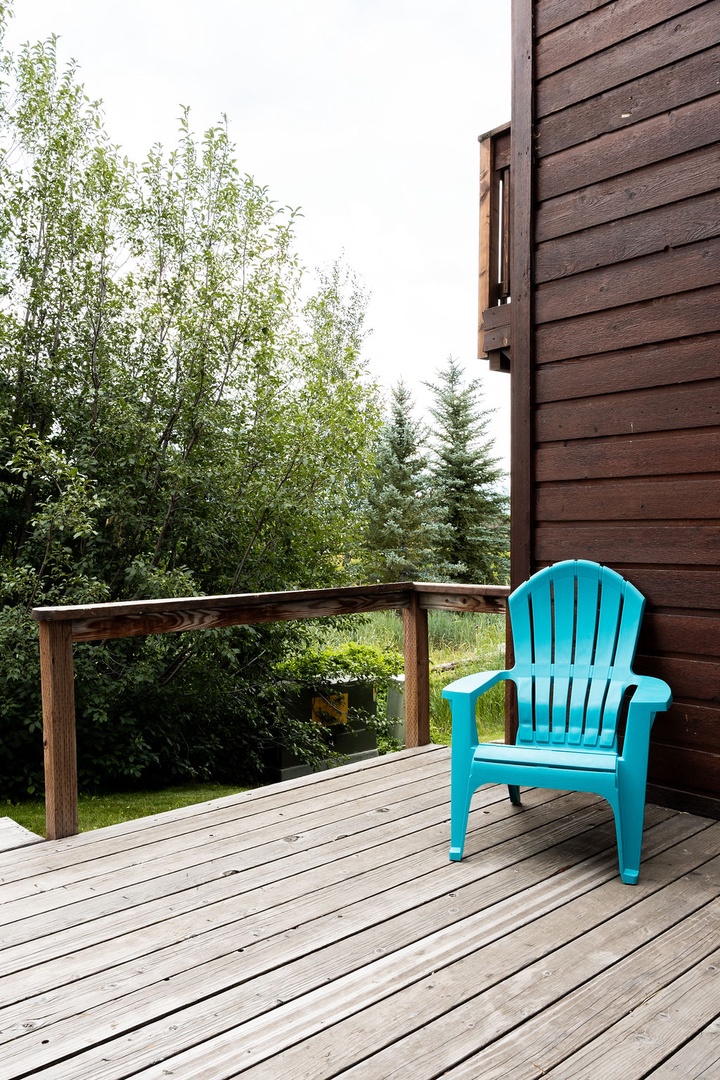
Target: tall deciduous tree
466,480
402,530
181,410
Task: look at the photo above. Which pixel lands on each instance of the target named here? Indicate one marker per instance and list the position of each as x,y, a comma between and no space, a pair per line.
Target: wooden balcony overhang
494,284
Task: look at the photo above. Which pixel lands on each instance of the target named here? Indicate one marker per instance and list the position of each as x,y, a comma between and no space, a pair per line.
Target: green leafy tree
402,533
466,481
181,411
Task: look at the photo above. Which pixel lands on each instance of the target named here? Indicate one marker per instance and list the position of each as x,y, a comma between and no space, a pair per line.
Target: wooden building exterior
614,345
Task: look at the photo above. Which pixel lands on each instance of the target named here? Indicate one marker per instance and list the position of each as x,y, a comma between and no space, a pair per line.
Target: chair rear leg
514,793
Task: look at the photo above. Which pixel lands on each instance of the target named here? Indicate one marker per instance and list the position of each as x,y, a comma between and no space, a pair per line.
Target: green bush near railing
460,643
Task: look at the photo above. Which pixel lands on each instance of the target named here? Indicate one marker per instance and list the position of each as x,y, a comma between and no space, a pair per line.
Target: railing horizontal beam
61,626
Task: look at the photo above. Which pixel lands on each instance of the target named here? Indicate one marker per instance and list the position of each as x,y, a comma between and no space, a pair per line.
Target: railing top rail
129,618
229,600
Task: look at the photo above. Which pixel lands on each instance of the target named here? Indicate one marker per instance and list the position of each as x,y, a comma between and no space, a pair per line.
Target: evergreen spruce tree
465,478
402,532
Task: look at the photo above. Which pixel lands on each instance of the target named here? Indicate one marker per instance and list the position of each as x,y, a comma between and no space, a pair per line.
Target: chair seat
552,757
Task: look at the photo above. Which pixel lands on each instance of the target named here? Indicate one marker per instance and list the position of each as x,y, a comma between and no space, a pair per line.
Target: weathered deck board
317,929
14,836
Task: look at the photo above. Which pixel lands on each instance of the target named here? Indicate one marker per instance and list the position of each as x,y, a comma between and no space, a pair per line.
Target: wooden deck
317,929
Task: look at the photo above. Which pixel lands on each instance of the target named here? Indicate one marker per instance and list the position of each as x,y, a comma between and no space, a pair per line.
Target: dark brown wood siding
623,385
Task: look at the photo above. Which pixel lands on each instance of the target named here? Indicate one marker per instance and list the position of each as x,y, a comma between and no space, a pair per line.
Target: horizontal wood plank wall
626,325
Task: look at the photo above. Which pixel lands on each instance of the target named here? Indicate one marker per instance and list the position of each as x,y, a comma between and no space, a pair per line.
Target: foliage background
185,410
182,411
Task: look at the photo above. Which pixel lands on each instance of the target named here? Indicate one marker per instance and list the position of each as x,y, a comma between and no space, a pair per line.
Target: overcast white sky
364,113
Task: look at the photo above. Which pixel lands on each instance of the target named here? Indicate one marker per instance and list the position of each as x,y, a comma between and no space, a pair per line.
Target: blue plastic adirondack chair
575,627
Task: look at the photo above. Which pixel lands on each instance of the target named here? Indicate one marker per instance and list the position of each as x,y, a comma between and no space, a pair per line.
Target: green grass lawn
96,811
467,642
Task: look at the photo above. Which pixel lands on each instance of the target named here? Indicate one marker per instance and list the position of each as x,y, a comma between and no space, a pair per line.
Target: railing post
58,702
417,674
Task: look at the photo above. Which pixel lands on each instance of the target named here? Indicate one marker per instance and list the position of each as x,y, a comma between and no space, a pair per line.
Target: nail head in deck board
618,197
549,1041
133,1050
649,141
559,875
475,1006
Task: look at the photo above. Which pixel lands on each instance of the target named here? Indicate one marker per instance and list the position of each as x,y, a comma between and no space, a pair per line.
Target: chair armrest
462,695
473,685
651,692
651,696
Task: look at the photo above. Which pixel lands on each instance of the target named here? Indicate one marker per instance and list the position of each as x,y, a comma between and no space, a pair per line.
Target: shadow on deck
316,929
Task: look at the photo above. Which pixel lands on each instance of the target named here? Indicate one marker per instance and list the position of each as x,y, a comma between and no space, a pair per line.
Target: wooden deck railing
61,626
494,285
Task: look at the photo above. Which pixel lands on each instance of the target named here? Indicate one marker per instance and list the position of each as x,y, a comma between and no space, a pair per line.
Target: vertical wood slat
417,674
58,702
486,233
521,489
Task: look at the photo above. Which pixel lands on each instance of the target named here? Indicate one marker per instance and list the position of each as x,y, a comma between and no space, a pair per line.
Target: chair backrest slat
575,627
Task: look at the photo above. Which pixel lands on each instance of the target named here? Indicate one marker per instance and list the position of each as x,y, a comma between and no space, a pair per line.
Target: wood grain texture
58,702
646,499
675,453
667,408
663,319
522,335
626,382
664,363
627,55
615,152
485,218
166,948
417,674
135,617
687,80
600,28
687,725
692,680
695,636
550,14
676,270
649,545
676,587
657,230
660,184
